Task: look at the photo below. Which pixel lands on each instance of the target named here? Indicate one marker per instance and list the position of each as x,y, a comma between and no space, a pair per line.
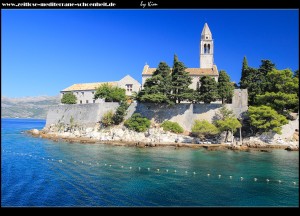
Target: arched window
208,48
205,48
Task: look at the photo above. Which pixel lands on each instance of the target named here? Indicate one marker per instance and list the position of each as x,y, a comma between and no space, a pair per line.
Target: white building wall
196,79
85,96
130,85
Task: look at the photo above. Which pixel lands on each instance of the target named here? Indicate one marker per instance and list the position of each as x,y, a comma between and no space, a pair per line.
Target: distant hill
27,107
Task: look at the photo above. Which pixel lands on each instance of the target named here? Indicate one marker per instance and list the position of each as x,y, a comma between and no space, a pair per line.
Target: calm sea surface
37,172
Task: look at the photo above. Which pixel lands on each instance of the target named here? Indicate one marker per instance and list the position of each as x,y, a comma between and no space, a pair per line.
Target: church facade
207,66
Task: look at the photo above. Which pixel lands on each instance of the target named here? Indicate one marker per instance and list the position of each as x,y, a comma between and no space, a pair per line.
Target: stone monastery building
207,66
85,91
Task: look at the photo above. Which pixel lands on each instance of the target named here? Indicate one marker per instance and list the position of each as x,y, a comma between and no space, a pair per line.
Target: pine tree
225,87
208,90
265,119
180,82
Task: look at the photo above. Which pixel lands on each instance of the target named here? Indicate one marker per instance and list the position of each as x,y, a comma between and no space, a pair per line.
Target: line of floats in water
130,167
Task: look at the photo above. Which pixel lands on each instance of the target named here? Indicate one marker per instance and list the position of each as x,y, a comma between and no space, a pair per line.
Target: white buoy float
148,169
230,177
267,180
255,179
279,181
139,168
157,170
219,176
194,173
105,164
175,171
185,171
60,161
130,167
208,174
167,170
122,166
242,178
294,183
110,165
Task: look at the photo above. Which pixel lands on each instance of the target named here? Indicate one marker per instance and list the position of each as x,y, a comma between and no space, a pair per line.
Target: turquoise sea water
38,172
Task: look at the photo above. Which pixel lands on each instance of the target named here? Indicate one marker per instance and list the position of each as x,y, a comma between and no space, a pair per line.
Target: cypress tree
208,90
225,87
180,82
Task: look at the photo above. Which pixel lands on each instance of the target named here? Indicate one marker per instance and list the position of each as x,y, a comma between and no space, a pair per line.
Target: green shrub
172,126
120,113
204,129
68,98
110,93
137,123
107,119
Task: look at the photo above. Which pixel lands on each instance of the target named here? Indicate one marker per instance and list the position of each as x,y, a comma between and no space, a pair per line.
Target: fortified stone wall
88,115
82,114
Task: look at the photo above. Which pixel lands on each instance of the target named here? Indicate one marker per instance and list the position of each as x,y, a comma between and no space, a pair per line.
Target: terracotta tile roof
87,86
191,71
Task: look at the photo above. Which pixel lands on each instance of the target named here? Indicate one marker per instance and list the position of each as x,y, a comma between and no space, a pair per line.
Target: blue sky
45,51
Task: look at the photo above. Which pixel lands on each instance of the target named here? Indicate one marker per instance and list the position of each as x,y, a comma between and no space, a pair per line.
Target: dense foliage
270,91
110,93
172,126
157,88
167,87
68,98
204,129
265,119
137,123
180,82
208,89
225,87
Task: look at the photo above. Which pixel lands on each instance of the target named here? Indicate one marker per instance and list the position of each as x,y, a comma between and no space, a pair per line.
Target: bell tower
206,48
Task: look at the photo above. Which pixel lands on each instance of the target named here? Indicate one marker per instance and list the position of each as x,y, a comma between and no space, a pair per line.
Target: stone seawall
87,115
184,114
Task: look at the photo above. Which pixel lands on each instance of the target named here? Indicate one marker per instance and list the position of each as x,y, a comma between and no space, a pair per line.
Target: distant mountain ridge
27,107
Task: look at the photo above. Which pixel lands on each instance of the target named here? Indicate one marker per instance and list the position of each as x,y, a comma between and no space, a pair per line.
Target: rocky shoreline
154,137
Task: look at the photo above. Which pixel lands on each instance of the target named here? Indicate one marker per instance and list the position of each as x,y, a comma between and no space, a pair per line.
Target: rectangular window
80,101
129,87
82,93
77,93
93,101
93,92
87,101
